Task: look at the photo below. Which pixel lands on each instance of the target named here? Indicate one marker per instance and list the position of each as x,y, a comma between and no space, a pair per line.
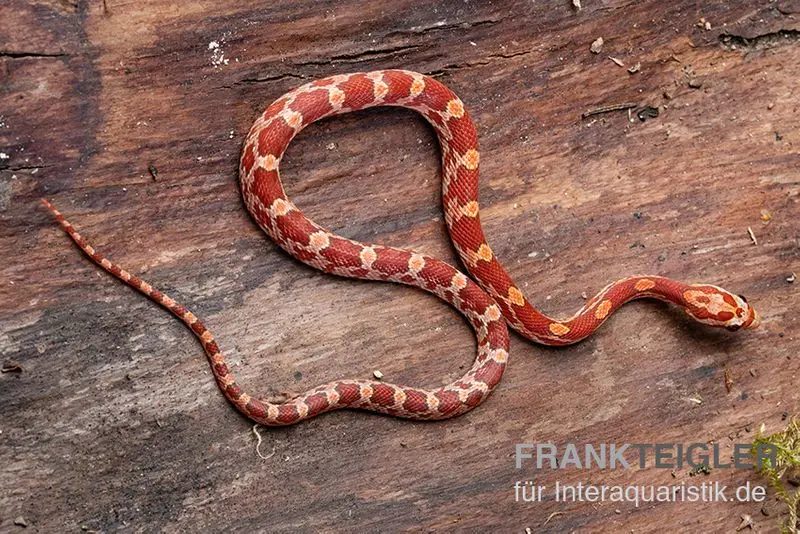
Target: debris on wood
728,380
791,278
647,112
703,23
617,62
766,216
217,55
702,469
747,521
258,445
377,374
596,46
694,83
607,109
11,366
551,516
752,236
576,4
783,469
153,172
635,68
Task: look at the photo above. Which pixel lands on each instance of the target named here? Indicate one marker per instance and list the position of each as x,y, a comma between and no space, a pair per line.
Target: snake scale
488,305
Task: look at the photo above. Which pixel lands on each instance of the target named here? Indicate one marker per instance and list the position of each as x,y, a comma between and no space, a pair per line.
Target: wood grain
114,422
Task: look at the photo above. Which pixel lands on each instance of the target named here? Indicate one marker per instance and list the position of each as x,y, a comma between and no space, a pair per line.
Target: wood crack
342,58
273,78
360,56
760,42
452,67
419,30
25,54
24,168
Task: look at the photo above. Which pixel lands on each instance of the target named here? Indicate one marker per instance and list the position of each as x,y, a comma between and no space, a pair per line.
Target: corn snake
488,310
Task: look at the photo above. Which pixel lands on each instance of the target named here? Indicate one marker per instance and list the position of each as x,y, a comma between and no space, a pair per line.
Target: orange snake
487,311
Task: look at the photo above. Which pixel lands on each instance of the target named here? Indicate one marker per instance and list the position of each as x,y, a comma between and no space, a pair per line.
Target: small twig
606,109
747,522
11,366
752,236
616,61
258,445
551,516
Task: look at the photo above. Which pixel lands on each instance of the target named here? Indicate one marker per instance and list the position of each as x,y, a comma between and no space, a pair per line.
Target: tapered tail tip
49,206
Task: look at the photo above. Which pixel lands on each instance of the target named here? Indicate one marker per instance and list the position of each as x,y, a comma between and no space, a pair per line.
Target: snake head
715,306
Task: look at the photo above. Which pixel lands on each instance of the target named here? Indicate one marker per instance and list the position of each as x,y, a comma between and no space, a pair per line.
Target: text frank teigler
612,456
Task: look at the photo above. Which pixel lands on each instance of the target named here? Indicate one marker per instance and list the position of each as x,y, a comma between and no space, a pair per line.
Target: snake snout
753,318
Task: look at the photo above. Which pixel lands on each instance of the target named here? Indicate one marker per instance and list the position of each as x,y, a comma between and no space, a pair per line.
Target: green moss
787,464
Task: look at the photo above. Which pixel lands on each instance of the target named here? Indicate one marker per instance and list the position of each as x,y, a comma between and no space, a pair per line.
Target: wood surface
114,422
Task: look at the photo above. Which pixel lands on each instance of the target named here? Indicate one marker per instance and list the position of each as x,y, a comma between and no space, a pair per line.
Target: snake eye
742,297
